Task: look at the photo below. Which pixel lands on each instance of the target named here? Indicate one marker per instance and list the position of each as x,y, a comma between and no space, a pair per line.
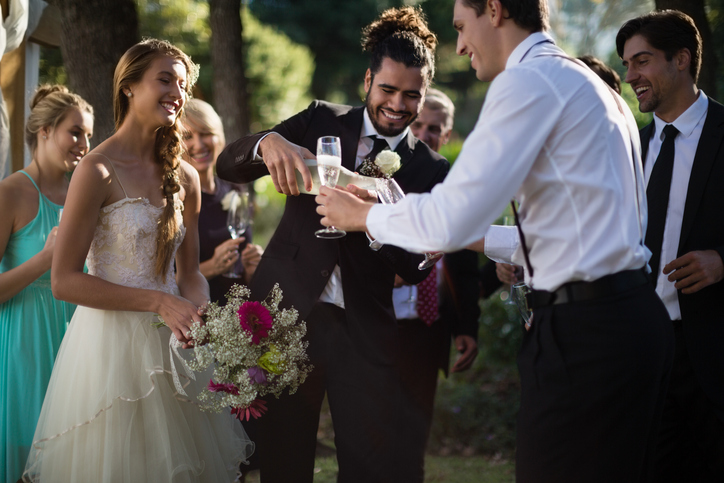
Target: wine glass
389,193
237,222
329,164
518,292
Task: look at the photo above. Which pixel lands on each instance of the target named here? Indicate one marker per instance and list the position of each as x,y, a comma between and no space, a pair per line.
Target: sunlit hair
202,117
666,30
402,35
607,74
169,142
531,15
48,108
436,100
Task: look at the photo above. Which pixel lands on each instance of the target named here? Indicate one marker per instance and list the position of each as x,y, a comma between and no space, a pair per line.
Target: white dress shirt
551,135
332,292
690,124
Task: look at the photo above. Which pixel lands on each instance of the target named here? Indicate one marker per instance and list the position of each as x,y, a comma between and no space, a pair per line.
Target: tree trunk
227,62
696,10
95,34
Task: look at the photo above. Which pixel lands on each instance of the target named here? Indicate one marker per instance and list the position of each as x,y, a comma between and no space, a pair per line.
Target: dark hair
169,141
668,31
402,35
531,15
603,71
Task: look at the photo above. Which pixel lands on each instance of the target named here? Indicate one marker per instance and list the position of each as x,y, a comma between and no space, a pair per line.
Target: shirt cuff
255,156
501,242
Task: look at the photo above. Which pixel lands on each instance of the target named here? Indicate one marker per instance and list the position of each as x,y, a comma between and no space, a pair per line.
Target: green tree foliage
279,72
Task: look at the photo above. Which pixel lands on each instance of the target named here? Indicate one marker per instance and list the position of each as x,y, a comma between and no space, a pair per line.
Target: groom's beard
386,131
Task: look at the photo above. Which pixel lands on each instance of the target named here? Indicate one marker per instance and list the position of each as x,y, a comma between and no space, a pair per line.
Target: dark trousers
363,400
593,379
422,349
691,441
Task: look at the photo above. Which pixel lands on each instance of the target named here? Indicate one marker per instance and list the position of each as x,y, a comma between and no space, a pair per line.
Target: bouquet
256,349
385,164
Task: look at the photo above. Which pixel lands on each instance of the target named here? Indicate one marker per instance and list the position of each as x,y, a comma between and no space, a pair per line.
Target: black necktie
379,145
657,193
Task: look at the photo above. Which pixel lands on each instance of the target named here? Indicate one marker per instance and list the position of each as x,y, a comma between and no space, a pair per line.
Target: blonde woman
32,322
111,412
219,253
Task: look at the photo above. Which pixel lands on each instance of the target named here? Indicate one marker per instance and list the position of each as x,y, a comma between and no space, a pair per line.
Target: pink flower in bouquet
255,319
257,375
228,388
255,410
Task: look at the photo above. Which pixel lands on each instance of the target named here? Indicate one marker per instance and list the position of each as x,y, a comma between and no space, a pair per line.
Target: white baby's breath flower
388,162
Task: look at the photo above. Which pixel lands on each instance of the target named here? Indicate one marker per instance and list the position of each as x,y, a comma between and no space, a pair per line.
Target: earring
45,137
129,94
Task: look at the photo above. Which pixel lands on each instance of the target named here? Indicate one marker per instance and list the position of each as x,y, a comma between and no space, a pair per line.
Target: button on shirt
333,293
551,135
690,124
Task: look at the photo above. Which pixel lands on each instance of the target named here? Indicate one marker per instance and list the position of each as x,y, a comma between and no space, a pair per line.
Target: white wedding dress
111,412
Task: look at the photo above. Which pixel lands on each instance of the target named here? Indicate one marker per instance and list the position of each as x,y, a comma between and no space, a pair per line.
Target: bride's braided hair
402,35
169,141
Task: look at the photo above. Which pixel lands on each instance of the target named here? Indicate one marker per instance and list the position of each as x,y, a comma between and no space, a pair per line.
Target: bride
111,412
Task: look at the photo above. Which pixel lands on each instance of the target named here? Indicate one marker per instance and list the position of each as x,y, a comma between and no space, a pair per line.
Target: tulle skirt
112,413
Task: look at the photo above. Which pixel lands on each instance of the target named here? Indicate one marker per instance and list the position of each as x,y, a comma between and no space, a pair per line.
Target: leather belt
582,291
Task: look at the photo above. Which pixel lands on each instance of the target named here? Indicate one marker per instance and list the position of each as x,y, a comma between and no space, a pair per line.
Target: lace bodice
123,250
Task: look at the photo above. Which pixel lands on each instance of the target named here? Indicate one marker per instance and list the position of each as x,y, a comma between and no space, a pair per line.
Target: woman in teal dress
32,322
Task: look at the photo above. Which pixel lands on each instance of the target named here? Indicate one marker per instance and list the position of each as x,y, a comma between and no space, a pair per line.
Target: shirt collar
369,130
689,119
519,53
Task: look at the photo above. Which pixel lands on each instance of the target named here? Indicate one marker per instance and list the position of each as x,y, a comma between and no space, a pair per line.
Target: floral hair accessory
385,165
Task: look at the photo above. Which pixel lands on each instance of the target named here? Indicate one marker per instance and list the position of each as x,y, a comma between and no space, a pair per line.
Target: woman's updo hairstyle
48,108
169,140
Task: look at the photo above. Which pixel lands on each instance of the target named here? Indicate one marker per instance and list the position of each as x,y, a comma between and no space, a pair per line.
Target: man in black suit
683,154
343,288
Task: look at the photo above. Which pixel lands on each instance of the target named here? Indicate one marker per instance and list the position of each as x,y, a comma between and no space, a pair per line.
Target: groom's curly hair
402,35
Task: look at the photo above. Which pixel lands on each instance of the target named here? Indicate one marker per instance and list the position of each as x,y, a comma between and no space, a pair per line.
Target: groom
343,288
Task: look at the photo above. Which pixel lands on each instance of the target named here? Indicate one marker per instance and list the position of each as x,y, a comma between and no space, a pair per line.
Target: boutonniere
385,165
228,198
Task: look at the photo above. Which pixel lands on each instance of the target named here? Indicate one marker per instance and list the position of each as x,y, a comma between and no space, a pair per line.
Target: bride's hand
180,315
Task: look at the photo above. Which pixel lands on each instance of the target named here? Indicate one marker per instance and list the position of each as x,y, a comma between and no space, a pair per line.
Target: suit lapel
645,135
406,149
351,126
706,153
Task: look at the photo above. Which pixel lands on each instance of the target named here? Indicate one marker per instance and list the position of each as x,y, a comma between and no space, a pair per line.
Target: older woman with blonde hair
219,253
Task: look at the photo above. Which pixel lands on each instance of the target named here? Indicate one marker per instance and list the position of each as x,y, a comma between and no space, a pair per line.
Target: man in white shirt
662,52
596,360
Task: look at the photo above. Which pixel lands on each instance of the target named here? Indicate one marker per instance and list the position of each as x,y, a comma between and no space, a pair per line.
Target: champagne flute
237,222
389,193
329,164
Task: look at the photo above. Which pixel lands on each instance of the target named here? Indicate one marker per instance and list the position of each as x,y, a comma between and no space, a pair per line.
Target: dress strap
31,180
114,173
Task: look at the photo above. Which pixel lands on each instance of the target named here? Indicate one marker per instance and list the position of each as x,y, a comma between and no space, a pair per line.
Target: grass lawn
447,469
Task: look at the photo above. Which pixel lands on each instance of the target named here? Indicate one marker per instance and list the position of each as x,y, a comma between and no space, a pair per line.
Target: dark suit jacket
703,229
302,263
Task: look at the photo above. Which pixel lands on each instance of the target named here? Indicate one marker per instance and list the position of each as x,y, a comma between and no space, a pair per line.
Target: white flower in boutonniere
385,165
388,162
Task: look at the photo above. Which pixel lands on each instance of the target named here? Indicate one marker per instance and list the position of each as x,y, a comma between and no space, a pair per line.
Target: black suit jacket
302,263
703,229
